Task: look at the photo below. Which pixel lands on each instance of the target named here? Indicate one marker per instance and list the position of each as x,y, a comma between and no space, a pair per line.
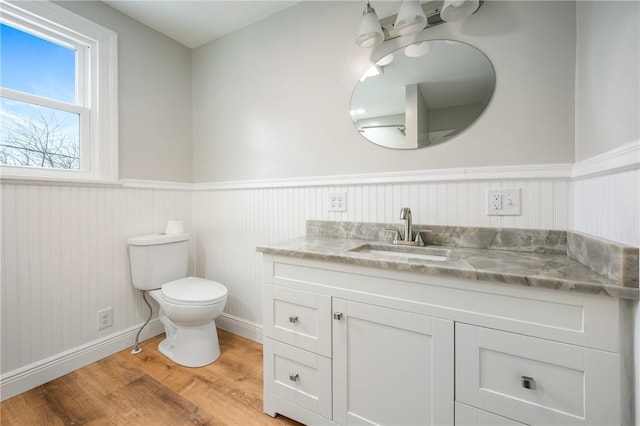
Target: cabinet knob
293,318
528,382
293,377
337,315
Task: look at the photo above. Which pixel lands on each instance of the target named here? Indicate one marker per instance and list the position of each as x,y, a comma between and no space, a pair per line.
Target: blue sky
36,66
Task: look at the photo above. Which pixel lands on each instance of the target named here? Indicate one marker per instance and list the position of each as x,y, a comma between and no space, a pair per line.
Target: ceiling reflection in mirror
422,94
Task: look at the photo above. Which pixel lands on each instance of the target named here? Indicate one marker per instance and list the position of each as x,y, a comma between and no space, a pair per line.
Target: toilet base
190,346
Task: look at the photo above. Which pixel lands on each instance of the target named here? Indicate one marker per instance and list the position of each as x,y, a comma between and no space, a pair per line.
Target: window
58,94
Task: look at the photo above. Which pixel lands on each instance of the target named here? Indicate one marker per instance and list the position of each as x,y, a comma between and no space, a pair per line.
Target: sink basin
406,253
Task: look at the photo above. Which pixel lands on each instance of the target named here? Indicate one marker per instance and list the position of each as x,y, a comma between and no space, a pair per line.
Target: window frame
96,88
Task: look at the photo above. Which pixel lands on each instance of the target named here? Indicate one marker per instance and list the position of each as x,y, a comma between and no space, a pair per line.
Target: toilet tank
157,259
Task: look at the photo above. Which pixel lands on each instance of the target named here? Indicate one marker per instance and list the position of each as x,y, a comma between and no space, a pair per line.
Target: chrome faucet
407,240
405,214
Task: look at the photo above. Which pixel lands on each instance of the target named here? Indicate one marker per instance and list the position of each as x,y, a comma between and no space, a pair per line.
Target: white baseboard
38,373
33,375
241,327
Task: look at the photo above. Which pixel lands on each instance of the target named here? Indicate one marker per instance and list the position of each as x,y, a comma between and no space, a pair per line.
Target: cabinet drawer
299,376
298,318
535,381
471,416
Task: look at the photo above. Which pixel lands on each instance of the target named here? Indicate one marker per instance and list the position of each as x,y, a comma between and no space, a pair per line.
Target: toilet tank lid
155,239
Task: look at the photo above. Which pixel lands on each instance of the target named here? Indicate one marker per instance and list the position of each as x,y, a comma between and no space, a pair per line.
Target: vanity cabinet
387,366
347,344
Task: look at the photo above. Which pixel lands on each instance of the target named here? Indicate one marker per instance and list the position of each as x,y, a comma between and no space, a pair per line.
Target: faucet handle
419,240
396,237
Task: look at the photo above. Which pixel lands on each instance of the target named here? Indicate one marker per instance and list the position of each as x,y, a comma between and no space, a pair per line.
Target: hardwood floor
148,389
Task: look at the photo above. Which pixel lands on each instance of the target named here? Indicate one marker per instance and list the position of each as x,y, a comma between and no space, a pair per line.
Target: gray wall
155,110
272,100
608,96
607,77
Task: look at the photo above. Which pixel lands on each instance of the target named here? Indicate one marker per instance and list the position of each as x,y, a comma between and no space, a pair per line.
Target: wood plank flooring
148,389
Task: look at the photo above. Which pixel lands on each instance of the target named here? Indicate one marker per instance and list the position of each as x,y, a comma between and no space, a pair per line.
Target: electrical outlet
105,318
496,201
503,202
337,202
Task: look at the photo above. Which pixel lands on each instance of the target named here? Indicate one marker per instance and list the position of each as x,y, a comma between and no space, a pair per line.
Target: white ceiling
194,23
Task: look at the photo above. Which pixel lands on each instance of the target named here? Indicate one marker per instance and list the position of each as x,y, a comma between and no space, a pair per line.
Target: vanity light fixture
412,18
416,50
453,10
385,60
369,32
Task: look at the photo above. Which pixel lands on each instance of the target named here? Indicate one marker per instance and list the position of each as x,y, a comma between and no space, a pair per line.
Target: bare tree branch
40,141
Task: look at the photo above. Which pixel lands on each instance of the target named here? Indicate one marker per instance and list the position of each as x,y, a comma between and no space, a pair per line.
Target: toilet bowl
188,308
188,305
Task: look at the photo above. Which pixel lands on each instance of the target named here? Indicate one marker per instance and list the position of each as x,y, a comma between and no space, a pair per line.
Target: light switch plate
503,202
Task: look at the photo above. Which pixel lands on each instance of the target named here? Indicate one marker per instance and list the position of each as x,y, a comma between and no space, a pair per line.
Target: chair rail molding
624,157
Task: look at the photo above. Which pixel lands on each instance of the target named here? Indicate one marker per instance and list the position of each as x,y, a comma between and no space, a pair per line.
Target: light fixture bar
433,18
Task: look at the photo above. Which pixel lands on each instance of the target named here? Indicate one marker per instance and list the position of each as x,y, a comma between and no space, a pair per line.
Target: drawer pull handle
337,315
293,318
528,382
293,377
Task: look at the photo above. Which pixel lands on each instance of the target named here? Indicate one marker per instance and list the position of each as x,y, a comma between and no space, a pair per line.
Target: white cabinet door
391,367
536,381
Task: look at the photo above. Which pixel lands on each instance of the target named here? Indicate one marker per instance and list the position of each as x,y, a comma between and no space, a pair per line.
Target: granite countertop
542,270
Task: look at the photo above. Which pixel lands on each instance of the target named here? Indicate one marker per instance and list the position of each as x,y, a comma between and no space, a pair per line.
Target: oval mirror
422,94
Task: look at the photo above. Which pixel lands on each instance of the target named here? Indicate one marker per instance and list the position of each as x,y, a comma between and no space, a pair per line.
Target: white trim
618,159
38,373
106,129
240,326
156,184
124,183
543,171
41,101
15,179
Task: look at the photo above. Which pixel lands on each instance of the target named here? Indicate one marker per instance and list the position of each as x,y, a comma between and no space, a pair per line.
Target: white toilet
188,305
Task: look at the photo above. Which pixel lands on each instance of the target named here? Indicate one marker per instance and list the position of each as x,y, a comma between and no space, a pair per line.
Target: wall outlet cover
503,202
105,318
337,202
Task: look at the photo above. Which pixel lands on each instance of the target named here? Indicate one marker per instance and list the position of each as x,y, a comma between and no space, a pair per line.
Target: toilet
188,305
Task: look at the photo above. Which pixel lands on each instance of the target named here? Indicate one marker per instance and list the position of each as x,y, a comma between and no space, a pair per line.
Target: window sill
9,175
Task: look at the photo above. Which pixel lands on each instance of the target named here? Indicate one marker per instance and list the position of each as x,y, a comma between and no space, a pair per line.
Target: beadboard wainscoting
608,206
64,257
606,200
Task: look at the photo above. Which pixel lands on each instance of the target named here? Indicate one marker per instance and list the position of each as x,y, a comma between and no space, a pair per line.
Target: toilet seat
193,291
